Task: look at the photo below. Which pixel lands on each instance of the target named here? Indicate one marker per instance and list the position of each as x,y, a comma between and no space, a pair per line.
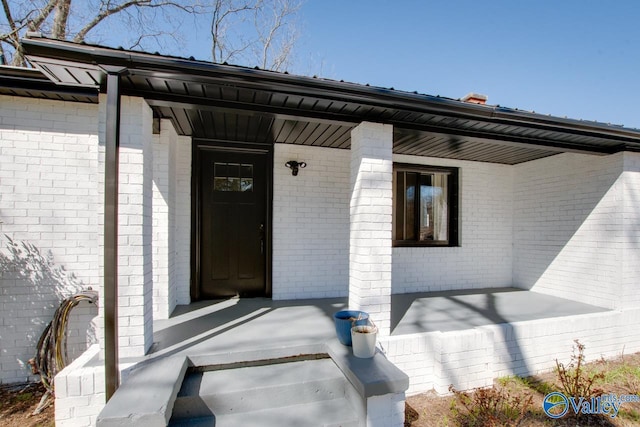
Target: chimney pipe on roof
475,98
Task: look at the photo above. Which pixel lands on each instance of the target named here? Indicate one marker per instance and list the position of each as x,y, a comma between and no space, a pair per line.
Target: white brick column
171,220
163,173
135,298
135,272
370,222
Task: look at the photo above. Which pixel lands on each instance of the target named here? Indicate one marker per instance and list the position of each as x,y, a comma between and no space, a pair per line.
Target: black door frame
198,146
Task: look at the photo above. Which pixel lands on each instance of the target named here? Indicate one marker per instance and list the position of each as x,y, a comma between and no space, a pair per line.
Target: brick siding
568,227
484,257
48,201
310,223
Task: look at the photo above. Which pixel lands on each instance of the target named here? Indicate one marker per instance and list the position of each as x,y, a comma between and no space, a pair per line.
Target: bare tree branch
254,32
34,24
3,58
12,38
7,13
105,14
107,11
61,17
249,32
275,34
222,10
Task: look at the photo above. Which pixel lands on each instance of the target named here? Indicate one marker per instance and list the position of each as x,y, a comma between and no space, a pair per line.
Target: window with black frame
425,206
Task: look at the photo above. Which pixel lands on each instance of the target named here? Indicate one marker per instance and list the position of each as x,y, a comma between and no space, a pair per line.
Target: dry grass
619,376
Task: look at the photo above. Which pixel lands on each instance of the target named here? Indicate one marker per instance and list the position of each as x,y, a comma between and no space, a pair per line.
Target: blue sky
575,58
579,59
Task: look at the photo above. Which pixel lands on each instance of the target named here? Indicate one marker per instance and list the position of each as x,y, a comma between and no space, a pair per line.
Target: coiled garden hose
51,354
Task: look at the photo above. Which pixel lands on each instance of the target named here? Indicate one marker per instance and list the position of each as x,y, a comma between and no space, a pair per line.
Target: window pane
410,206
426,207
246,171
439,208
234,183
220,170
220,184
246,180
246,184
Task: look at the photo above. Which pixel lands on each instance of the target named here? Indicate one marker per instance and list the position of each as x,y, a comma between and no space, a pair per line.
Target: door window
237,177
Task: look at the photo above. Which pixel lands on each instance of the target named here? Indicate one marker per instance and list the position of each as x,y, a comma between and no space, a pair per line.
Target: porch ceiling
229,103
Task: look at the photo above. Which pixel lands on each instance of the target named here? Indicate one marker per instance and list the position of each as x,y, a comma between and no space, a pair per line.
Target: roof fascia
169,67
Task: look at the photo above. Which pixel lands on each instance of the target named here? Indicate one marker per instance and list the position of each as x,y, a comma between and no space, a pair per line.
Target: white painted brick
484,258
370,211
311,223
171,220
386,410
568,227
135,278
34,154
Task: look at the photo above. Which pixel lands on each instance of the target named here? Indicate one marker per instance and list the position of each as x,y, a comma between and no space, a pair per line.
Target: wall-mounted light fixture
294,165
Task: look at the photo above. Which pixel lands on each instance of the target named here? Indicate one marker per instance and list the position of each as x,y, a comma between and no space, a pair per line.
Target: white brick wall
568,227
630,297
48,197
486,234
310,223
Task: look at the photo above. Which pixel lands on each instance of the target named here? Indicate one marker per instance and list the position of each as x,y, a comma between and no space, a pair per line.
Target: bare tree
66,19
246,32
254,32
227,13
29,20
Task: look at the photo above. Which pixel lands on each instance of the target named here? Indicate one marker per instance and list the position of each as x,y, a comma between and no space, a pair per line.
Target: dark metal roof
18,81
224,102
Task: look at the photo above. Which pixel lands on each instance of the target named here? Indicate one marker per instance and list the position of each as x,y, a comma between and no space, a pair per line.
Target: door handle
261,230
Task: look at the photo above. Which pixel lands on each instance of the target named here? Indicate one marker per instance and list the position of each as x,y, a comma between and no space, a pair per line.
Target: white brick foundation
473,358
80,391
386,410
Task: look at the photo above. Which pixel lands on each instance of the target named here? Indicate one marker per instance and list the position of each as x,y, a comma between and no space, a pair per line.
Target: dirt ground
622,376
17,403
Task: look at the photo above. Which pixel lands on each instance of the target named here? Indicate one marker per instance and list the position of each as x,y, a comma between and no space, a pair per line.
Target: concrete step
325,413
312,390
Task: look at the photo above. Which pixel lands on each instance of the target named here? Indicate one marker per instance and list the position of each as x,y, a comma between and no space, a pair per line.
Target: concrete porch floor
238,325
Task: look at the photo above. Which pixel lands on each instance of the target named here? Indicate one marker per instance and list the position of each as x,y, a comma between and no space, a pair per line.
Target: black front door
233,224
